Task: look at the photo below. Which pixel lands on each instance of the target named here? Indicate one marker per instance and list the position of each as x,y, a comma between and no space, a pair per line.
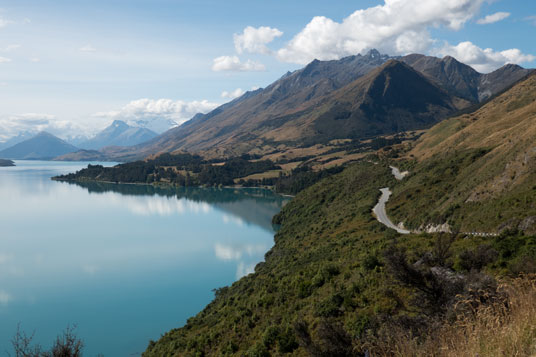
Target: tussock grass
505,327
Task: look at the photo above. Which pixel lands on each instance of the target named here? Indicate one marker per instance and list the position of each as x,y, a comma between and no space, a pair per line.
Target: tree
66,345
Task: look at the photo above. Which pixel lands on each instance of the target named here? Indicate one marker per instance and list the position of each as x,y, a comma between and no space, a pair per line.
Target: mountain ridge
293,97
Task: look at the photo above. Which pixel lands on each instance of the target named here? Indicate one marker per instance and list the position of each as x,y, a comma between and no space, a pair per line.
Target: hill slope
40,147
476,171
329,286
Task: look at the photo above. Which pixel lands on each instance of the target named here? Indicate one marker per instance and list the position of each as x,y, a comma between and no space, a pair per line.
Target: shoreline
170,185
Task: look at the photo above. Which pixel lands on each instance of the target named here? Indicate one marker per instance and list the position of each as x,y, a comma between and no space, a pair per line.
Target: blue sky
73,66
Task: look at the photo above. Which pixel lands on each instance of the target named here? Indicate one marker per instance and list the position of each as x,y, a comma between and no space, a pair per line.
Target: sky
71,67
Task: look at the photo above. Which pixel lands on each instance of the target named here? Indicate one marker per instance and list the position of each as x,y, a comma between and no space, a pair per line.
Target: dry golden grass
504,328
505,123
262,175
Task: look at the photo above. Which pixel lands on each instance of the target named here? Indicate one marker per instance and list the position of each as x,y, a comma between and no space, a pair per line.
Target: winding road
381,214
397,174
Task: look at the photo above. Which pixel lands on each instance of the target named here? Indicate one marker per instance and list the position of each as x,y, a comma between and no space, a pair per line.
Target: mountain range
118,133
47,146
355,97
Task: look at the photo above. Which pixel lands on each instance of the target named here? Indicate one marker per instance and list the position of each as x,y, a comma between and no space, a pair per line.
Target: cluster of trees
297,180
180,170
192,170
68,344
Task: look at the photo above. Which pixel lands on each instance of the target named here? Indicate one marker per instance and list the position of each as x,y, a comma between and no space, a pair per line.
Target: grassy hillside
336,280
476,171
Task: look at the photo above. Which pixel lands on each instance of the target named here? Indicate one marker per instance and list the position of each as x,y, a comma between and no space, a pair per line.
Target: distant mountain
295,109
76,140
118,133
157,125
16,139
42,146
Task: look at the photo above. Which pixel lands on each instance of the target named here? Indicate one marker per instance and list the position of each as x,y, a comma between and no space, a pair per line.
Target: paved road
381,215
397,174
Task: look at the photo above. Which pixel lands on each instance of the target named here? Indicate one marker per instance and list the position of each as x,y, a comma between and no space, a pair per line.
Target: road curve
397,174
381,215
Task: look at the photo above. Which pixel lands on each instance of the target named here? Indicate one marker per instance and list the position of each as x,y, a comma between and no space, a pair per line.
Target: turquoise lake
124,263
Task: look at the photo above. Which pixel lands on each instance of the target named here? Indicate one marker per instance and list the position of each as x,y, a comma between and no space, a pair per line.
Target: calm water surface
124,263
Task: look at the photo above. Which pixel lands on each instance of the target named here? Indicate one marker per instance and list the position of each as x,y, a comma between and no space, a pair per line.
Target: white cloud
4,258
396,27
490,19
90,269
165,206
5,298
4,60
13,125
158,115
4,22
35,59
243,254
232,94
483,60
254,40
11,47
87,48
233,64
244,269
239,251
531,19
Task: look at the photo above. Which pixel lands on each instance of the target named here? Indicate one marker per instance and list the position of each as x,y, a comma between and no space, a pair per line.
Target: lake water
124,263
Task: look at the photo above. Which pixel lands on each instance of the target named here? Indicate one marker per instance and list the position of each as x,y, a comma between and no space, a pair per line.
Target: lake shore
6,163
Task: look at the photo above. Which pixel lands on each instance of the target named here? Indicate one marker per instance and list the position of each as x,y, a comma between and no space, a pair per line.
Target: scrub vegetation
337,281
